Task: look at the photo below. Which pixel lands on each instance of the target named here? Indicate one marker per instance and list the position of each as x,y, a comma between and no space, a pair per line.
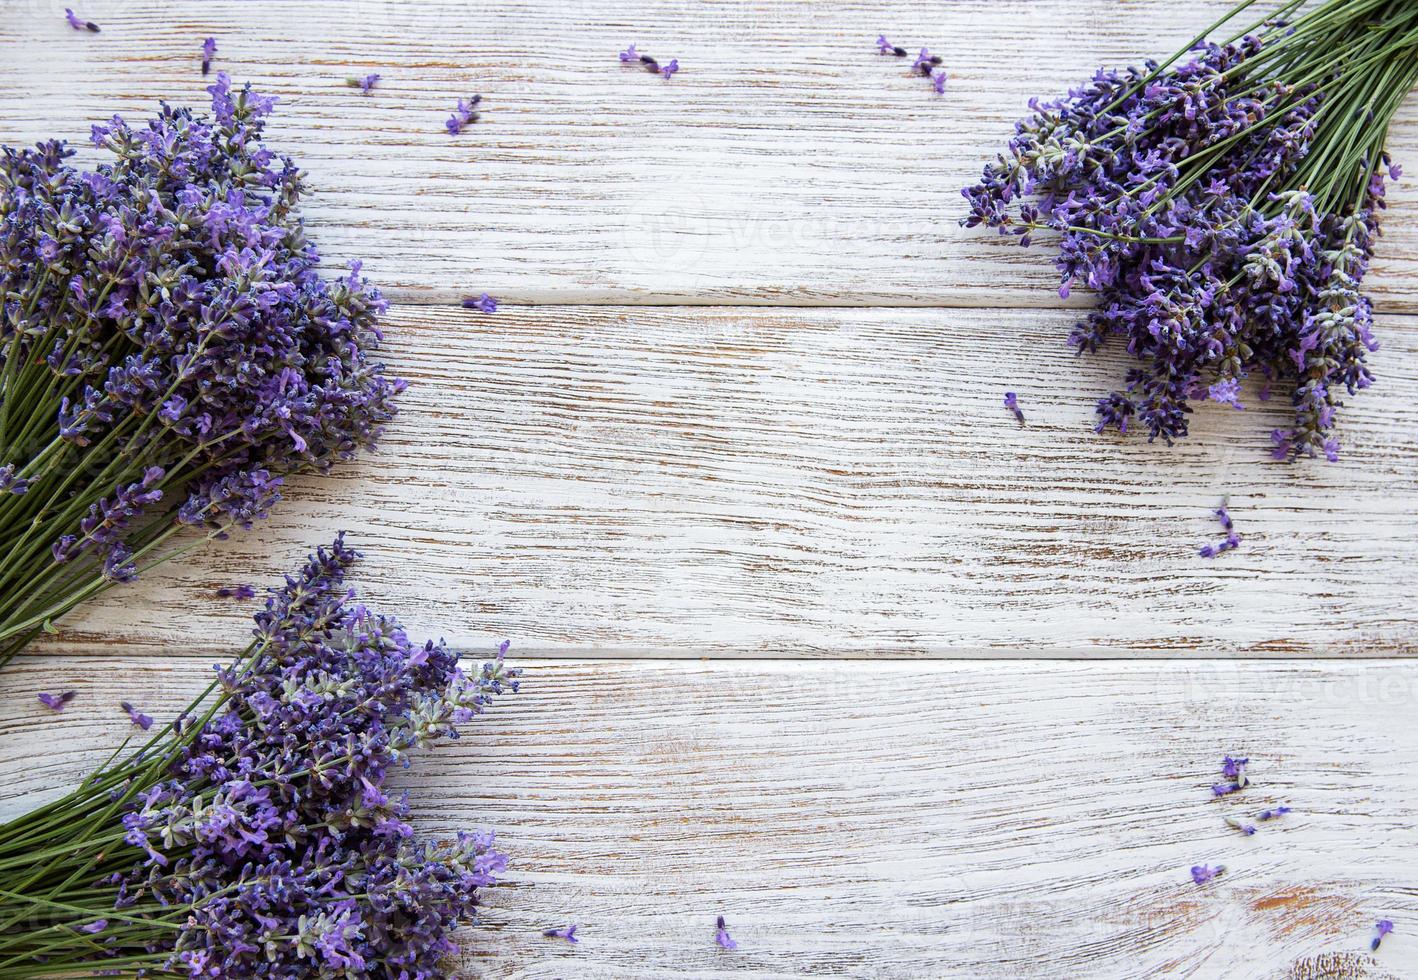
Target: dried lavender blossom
1011,402
259,840
1224,210
56,702
78,23
1237,825
365,83
1202,873
1274,814
569,934
883,46
236,592
464,114
722,937
1381,929
169,352
484,302
209,51
139,719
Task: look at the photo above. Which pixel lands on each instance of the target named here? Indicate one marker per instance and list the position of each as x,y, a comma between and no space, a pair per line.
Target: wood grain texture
618,481
787,164
890,819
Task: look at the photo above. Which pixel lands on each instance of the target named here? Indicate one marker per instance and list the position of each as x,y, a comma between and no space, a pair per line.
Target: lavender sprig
1224,206
169,353
259,839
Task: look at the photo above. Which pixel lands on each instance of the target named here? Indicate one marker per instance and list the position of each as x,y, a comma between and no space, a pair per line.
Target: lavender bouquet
168,352
1224,206
254,837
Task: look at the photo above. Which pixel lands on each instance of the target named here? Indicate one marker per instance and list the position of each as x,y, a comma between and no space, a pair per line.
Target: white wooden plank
827,482
787,163
889,819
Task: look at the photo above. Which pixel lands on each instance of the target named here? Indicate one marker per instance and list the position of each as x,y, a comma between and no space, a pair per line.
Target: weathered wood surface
729,482
787,164
872,819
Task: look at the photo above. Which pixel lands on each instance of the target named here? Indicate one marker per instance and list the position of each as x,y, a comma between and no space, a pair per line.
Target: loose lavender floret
78,23
670,69
1201,873
272,827
464,114
236,592
173,337
209,51
1274,814
925,62
883,46
722,937
630,55
1381,929
137,717
1245,828
1234,768
364,84
939,79
1167,188
56,702
569,934
484,302
1011,402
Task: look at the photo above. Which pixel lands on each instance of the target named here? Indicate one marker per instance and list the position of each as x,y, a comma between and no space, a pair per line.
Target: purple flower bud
569,934
209,51
137,717
484,302
630,54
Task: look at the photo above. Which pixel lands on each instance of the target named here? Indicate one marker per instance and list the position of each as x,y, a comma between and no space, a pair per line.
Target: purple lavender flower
484,302
1179,197
271,827
721,935
1225,789
1229,543
925,62
78,23
464,114
569,934
195,357
12,484
1011,402
137,717
236,592
1274,814
630,55
670,69
939,79
209,51
1381,929
94,927
365,83
883,46
56,702
1201,873
1245,828
1233,768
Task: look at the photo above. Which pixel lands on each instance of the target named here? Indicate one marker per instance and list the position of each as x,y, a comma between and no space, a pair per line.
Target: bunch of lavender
1224,206
168,351
254,837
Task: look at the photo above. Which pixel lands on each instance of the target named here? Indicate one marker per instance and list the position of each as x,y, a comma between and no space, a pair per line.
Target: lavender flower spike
78,23
364,84
722,937
569,934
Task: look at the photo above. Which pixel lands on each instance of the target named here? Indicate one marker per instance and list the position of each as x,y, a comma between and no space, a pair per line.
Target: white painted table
818,637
